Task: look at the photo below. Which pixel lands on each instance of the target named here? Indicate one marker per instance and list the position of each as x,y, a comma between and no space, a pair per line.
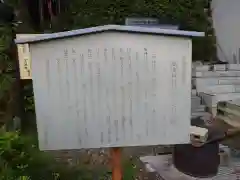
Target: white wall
226,21
112,89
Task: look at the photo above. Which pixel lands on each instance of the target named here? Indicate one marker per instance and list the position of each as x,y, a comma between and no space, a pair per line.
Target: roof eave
119,28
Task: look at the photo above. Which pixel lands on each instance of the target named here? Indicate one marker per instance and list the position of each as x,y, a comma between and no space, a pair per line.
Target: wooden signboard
112,86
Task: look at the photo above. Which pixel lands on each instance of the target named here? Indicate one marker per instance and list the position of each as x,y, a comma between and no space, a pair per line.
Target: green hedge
190,14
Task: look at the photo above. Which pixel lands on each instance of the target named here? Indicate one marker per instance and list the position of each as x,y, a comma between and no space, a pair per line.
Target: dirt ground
100,159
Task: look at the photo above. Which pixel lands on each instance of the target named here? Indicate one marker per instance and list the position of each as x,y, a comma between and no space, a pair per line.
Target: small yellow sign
24,61
24,57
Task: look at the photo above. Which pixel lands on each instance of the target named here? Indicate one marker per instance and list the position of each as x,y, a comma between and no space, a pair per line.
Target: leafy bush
21,159
6,73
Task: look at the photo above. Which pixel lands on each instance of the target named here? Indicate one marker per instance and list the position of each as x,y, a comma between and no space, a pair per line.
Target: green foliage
29,98
6,67
21,159
190,14
130,169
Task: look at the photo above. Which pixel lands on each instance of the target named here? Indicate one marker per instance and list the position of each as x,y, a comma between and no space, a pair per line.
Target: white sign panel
111,90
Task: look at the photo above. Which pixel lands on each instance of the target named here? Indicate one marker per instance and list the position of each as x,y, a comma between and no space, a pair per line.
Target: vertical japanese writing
174,89
99,94
153,83
84,88
146,59
174,75
90,54
113,54
121,60
82,63
25,61
129,58
66,54
105,54
116,130
154,80
27,67
184,69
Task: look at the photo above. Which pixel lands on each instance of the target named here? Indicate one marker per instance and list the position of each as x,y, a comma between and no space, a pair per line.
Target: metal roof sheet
120,28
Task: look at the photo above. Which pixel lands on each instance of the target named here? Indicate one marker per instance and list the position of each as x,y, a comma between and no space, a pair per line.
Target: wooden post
116,163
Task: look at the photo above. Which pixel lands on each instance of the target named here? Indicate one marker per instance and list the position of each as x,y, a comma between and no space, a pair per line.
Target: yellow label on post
24,57
24,61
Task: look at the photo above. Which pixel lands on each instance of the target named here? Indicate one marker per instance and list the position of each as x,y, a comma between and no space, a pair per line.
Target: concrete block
202,83
229,81
235,102
199,134
199,82
202,68
193,83
195,102
219,67
201,108
237,88
211,100
233,67
194,92
216,74
196,63
221,89
201,114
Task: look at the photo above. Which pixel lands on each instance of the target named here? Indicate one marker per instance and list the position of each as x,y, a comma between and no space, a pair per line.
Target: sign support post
116,163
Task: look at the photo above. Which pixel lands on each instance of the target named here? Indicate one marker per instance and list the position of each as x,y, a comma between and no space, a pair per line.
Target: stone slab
201,108
195,102
211,100
233,67
162,165
201,68
197,63
201,84
201,114
216,74
219,67
194,92
220,89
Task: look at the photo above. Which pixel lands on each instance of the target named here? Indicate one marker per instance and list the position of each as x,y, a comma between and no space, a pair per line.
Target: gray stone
211,100
220,89
233,67
201,68
217,74
203,83
162,164
219,67
196,101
